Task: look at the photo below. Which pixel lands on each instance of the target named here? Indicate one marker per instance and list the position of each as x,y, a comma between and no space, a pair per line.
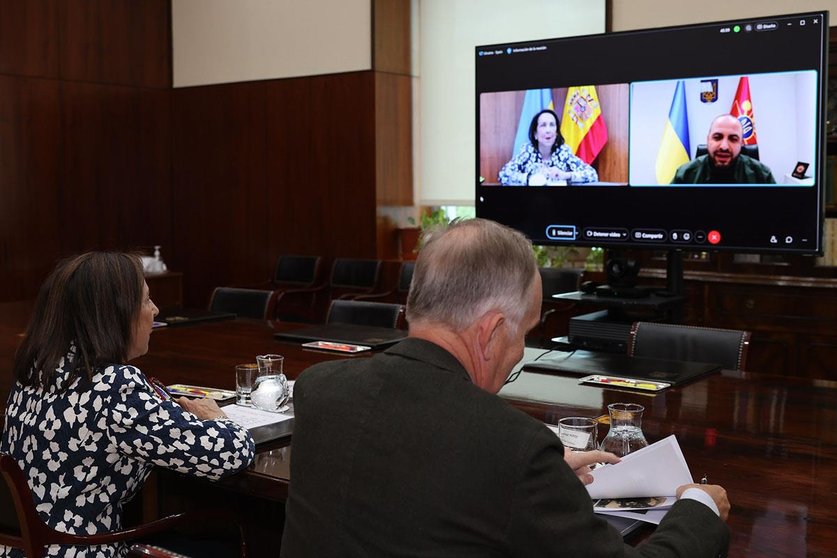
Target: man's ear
490,329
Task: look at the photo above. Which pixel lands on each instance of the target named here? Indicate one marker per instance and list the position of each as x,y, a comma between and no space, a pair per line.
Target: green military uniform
745,170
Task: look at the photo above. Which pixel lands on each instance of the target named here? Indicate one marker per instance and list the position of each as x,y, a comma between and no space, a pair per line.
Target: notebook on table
675,372
188,316
371,336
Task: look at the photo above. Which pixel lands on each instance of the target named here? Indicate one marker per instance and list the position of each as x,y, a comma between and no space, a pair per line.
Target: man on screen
724,163
411,453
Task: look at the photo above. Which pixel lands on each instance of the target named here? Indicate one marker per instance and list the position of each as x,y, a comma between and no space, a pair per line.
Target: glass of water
625,434
271,392
578,433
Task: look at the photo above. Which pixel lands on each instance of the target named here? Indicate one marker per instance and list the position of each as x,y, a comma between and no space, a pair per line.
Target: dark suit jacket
401,455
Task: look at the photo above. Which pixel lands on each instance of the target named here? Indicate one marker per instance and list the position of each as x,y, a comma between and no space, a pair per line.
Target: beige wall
221,41
639,14
444,115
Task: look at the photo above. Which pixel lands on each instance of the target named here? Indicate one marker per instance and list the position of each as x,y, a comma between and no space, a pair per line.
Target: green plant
555,256
433,217
590,259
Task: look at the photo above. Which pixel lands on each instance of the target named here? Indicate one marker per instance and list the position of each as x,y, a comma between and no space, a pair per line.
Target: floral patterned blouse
516,172
87,447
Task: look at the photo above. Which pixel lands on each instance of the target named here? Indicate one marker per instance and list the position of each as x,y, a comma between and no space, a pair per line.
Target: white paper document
648,516
655,470
250,417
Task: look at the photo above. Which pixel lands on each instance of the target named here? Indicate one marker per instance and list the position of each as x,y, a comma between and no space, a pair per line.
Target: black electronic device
636,122
621,272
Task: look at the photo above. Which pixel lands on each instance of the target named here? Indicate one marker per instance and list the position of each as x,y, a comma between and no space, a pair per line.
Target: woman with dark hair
546,160
84,426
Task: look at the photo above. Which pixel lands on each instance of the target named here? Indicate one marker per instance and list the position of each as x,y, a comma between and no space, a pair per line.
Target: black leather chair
399,293
748,150
296,271
727,347
351,277
361,312
23,528
246,303
295,283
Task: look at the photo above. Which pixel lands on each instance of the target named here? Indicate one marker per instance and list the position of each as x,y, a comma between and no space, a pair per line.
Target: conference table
771,441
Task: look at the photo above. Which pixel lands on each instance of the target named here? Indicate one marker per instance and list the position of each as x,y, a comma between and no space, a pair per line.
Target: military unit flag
742,109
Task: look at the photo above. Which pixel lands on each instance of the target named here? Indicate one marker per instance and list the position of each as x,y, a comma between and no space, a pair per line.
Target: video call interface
698,137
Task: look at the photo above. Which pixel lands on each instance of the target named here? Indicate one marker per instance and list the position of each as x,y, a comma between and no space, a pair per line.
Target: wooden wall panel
104,154
393,136
321,168
29,33
30,176
117,41
115,190
220,216
391,41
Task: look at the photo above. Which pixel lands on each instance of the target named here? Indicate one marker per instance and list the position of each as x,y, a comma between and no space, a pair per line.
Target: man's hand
717,492
204,409
580,461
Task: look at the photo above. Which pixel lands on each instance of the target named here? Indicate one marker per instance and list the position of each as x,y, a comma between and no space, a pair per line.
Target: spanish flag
674,149
742,109
582,124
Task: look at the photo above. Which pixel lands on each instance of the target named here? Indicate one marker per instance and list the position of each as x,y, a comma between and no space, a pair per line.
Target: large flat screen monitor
698,137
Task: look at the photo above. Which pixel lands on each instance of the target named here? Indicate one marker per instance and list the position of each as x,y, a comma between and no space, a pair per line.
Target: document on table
655,470
250,417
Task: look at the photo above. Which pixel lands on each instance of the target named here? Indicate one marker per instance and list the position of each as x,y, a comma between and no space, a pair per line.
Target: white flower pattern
87,450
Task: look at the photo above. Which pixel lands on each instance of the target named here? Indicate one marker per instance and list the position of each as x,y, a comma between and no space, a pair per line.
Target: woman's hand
204,409
580,462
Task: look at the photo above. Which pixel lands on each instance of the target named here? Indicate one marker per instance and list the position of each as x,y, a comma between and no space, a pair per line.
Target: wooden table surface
770,440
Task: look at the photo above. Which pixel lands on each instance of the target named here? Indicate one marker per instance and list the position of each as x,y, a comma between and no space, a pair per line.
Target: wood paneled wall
98,152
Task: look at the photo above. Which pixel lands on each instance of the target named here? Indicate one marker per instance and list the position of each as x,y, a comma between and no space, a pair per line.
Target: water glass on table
271,392
245,379
625,434
578,433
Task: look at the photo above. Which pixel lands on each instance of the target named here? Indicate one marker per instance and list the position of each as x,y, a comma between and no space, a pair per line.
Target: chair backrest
355,274
727,347
297,270
748,150
360,312
557,280
405,276
247,303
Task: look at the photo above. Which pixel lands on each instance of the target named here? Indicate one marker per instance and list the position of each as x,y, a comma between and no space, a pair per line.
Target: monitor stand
609,329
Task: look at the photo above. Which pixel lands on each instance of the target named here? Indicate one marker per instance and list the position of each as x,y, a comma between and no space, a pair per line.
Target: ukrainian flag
534,101
674,149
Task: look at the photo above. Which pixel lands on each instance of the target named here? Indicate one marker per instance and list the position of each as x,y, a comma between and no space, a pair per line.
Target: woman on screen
85,426
546,161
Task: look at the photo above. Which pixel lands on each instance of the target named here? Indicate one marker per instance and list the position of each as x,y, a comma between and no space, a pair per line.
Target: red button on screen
714,237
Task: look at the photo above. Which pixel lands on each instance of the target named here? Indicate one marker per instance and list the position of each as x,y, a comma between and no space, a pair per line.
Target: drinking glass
578,433
625,434
245,379
271,392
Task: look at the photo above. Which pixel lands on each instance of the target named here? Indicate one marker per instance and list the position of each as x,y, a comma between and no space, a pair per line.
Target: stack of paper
643,485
